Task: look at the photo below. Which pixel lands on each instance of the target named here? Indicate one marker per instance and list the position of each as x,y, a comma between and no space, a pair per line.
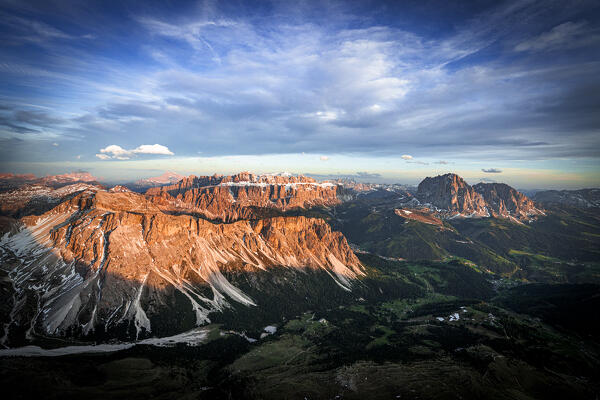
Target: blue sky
385,91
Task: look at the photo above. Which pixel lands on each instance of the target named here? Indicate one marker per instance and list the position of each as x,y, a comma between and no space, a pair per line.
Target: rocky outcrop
420,215
104,260
230,198
505,202
451,196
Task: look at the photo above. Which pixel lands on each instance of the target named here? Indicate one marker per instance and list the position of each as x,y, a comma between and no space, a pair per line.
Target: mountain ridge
111,258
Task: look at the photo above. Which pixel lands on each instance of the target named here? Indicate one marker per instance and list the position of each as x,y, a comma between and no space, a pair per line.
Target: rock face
505,202
570,198
452,196
114,261
38,198
230,198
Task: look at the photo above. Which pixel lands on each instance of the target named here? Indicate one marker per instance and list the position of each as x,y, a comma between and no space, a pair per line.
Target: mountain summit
452,195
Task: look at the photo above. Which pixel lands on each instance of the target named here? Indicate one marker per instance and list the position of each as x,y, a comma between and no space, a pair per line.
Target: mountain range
360,272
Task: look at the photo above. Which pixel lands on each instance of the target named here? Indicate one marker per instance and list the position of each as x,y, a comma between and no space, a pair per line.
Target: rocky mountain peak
451,194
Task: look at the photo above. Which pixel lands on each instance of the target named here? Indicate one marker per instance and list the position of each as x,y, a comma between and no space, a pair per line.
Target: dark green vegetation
564,246
440,330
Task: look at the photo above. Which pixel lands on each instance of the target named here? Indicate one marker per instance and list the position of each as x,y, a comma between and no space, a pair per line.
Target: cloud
117,152
152,149
442,162
406,157
492,170
18,120
563,35
324,158
418,162
55,144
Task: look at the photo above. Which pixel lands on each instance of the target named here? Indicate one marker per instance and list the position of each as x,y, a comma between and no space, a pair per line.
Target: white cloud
152,149
406,157
117,152
324,158
55,144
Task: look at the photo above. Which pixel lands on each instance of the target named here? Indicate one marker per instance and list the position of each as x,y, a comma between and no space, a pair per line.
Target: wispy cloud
565,35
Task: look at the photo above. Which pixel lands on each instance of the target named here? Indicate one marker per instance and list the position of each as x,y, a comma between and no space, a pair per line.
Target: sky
373,90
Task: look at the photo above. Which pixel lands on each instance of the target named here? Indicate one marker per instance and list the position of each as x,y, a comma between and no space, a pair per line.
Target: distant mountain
241,196
452,196
348,189
167,178
585,198
57,181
